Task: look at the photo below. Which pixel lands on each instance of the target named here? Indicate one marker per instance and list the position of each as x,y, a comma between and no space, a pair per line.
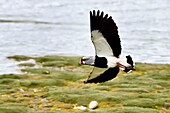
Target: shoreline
16,69
12,58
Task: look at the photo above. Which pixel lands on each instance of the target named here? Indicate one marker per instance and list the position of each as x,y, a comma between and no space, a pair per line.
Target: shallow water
41,27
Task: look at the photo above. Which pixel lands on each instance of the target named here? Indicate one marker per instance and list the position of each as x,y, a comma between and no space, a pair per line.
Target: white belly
112,61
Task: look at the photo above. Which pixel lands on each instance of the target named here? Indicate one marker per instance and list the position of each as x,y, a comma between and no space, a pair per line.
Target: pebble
80,107
44,100
48,105
93,105
26,95
35,90
166,106
46,72
21,90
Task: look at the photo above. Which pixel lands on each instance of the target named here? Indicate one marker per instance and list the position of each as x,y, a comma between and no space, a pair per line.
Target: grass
55,84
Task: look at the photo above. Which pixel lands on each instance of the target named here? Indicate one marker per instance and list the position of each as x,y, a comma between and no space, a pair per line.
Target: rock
80,107
35,90
45,100
48,105
35,97
46,72
166,106
26,95
43,96
93,105
21,90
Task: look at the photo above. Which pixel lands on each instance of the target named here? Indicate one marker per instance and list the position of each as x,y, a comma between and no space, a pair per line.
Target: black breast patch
100,62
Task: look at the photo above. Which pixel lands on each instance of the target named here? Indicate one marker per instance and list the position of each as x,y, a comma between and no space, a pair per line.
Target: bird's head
87,60
127,64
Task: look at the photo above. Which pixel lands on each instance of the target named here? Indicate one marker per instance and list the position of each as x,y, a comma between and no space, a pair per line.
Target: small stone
26,95
45,100
43,96
35,97
166,106
93,105
46,72
48,105
80,107
34,90
36,108
21,90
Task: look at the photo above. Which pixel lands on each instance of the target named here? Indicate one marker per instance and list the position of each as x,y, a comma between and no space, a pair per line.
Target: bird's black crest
129,60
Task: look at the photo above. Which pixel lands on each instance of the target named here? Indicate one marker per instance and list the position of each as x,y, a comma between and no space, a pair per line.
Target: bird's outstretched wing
105,76
104,34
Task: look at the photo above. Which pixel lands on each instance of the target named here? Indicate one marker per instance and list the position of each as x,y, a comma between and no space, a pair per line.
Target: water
51,27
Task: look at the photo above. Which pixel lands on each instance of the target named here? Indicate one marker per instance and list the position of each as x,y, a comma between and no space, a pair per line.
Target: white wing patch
101,46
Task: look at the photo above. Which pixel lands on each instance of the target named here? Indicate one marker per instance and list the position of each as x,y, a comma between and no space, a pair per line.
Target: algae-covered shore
54,84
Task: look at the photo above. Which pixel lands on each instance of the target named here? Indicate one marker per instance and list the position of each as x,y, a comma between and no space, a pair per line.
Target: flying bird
107,44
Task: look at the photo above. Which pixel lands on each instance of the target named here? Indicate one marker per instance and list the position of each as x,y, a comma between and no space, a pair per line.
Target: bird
107,44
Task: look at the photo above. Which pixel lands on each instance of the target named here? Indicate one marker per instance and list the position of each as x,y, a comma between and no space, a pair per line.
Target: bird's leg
89,76
85,82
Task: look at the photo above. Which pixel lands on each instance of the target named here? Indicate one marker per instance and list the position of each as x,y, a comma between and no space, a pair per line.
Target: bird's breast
112,61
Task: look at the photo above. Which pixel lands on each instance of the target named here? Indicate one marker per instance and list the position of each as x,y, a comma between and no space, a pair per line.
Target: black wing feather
108,28
107,75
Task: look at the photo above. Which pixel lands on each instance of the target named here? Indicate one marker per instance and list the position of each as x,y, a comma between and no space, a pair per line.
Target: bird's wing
105,76
104,34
